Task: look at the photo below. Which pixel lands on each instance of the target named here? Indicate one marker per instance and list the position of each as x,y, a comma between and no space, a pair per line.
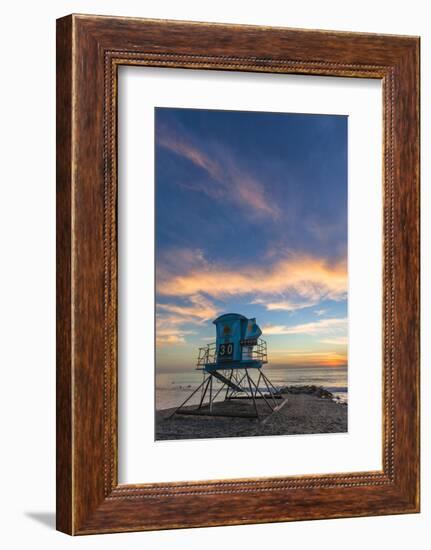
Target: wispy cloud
198,310
170,139
324,326
287,305
335,341
310,278
231,181
172,318
171,336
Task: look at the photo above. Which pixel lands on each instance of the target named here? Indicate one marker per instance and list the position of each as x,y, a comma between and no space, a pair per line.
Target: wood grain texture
90,49
64,497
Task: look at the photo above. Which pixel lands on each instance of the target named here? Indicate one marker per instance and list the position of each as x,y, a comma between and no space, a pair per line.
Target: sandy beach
306,412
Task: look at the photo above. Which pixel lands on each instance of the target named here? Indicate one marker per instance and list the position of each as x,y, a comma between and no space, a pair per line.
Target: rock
319,391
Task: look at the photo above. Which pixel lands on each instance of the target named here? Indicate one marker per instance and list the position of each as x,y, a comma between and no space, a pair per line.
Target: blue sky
251,217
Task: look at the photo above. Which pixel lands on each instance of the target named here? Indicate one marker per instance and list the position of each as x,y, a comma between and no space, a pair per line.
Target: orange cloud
171,336
200,310
309,277
171,317
335,341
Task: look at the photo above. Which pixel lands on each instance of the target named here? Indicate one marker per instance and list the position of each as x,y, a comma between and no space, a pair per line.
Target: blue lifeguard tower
232,369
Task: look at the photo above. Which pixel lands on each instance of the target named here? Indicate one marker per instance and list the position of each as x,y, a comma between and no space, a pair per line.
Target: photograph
251,238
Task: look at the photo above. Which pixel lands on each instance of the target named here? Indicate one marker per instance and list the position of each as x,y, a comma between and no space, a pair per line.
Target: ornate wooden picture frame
89,51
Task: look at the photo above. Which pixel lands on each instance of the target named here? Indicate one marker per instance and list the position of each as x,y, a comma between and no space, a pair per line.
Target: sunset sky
251,218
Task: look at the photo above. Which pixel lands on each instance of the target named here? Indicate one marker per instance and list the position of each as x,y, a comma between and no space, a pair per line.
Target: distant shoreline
309,410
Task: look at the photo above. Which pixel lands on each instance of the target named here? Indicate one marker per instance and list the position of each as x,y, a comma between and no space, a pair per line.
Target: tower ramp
226,381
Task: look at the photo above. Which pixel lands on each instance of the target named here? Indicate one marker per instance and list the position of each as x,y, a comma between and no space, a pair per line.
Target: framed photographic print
237,274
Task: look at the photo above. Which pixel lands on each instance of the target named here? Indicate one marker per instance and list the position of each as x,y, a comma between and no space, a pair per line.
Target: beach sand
302,414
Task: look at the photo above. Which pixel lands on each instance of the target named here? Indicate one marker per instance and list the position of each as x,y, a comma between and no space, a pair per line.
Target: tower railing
207,355
256,352
259,352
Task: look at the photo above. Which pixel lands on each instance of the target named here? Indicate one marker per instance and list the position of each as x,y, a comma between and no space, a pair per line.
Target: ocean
173,388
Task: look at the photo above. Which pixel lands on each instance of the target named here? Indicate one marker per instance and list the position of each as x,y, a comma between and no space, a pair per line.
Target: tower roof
227,316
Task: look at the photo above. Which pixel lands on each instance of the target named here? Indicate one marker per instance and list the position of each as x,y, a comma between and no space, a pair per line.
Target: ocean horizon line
266,367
